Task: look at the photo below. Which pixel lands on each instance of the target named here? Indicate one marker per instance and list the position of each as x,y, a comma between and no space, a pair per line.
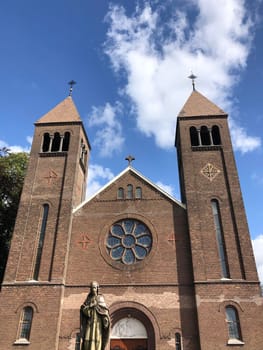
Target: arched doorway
131,329
129,334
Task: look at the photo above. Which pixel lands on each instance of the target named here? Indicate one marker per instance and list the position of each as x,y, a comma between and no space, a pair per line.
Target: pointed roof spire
198,105
65,111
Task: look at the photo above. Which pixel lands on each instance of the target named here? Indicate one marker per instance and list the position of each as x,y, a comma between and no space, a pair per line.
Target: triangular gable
138,174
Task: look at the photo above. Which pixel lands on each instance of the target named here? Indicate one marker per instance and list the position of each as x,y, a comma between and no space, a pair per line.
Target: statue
94,321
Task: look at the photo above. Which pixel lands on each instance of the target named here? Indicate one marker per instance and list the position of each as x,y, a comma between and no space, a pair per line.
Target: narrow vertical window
220,239
83,153
120,194
46,142
138,193
194,136
205,137
25,323
178,341
233,323
66,139
216,135
56,142
129,192
41,241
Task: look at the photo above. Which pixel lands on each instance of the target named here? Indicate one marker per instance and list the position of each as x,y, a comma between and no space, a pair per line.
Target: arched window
41,241
82,151
233,323
220,238
120,194
129,192
138,193
178,341
83,154
66,139
194,136
130,332
46,142
205,137
216,135
56,142
25,323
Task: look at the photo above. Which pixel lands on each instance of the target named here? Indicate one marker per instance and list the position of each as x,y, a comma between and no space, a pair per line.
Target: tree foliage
12,173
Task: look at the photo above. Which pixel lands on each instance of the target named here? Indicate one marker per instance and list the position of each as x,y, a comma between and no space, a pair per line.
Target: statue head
94,288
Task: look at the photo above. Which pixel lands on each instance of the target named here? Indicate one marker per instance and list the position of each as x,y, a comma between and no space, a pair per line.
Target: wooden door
128,344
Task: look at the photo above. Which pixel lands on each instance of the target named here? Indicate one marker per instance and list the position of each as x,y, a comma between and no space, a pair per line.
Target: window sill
53,154
206,148
22,341
235,342
226,279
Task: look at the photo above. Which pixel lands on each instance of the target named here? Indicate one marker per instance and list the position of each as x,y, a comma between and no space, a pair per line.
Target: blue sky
131,61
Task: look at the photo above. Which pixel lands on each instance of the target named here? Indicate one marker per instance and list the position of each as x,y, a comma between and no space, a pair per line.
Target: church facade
174,275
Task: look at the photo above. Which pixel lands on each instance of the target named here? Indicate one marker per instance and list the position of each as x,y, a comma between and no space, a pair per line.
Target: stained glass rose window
129,241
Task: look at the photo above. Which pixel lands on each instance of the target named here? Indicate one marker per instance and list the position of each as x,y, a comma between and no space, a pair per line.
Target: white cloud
97,177
258,251
29,139
16,148
108,138
241,140
158,55
167,188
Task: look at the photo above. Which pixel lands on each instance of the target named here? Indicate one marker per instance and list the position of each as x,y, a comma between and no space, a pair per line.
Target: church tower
55,184
223,262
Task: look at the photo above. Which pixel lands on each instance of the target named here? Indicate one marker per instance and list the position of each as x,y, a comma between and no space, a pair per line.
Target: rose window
129,241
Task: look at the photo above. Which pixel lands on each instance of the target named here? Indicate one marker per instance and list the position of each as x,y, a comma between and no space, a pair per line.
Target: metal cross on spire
193,77
71,83
130,159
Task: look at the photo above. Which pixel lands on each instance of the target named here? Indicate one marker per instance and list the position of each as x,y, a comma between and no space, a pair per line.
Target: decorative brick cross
85,241
51,176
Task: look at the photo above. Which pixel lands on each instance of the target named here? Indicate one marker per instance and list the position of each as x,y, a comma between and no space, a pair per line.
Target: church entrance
128,344
129,334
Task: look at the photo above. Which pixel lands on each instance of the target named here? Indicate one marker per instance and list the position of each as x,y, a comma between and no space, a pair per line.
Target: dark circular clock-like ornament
129,241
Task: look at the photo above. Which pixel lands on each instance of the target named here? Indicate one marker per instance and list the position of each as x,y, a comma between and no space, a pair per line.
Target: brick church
174,274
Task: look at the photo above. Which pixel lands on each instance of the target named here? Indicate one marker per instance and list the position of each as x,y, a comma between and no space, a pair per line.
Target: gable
131,182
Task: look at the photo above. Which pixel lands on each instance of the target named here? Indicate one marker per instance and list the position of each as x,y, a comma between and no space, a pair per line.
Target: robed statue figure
94,321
